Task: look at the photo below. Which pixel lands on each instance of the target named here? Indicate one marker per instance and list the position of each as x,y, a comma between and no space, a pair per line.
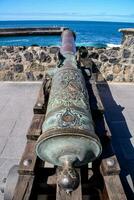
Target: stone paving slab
14,148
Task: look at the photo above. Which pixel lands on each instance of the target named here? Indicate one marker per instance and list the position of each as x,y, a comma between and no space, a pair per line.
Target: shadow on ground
121,136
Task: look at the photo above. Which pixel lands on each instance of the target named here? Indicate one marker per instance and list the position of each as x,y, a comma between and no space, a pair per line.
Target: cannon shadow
121,136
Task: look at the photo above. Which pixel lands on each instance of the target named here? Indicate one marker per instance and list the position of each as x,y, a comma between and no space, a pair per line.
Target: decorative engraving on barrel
68,90
68,119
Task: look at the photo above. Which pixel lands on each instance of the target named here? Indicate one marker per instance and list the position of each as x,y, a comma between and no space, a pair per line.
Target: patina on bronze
68,138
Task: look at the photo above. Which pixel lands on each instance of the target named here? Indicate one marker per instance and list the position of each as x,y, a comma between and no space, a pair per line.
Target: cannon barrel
68,137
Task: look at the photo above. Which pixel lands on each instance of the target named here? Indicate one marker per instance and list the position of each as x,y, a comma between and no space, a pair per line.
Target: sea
89,33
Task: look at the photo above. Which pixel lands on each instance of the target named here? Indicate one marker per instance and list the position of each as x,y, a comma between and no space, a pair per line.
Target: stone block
9,76
18,68
10,49
109,77
43,57
103,58
114,60
54,50
18,58
3,55
48,59
94,55
111,53
28,56
126,53
116,69
30,76
39,77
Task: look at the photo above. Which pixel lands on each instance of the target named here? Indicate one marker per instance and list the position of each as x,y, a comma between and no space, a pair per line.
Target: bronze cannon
68,138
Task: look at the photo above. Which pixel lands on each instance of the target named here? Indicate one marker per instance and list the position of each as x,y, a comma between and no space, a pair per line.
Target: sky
87,10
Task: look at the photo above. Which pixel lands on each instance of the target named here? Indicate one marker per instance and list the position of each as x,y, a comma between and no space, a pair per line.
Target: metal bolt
27,162
39,104
110,162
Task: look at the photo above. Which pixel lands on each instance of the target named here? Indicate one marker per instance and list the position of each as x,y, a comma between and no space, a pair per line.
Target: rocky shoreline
30,63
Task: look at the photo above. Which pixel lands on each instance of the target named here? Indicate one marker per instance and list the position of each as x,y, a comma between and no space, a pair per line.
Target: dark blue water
88,33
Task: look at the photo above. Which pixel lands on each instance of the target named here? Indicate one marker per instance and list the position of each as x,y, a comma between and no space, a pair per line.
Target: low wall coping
127,30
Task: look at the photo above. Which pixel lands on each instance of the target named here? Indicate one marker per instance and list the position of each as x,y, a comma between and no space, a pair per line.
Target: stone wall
26,63
31,63
114,64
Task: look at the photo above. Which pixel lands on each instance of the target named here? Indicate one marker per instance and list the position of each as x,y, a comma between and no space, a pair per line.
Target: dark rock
114,60
9,76
111,53
3,55
126,53
109,77
18,68
39,77
44,48
35,54
10,49
83,52
101,51
54,50
48,59
130,41
94,55
43,57
116,48
103,58
24,48
124,61
30,76
86,63
21,48
18,58
28,56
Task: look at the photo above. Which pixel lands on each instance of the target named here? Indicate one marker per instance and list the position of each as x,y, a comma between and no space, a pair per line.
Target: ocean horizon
89,33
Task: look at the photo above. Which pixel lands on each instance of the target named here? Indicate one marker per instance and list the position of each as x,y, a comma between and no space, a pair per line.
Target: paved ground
16,104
